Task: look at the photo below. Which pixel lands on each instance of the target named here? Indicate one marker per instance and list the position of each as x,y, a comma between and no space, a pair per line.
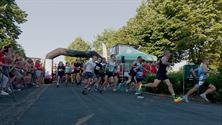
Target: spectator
146,69
38,71
154,68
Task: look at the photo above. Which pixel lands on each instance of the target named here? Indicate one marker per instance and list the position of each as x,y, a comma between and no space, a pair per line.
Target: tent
131,54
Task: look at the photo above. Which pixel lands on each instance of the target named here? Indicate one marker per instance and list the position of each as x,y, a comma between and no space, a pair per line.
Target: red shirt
38,66
153,69
146,69
2,57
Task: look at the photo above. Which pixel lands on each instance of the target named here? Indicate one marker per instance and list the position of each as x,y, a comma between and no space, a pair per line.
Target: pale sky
56,23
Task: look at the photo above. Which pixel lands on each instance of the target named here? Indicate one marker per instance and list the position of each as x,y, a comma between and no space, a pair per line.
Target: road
67,106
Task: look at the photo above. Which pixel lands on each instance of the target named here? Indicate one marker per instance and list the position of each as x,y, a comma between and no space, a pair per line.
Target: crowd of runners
99,74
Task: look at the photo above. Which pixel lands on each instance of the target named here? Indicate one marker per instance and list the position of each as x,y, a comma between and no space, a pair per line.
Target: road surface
67,106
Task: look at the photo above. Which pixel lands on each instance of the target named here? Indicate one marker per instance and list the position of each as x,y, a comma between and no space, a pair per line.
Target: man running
60,73
202,71
89,74
139,79
162,74
132,74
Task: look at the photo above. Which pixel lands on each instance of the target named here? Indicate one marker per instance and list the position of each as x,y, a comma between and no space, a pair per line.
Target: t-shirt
61,69
153,69
38,66
2,57
139,73
90,66
146,69
98,68
201,73
77,66
68,69
111,66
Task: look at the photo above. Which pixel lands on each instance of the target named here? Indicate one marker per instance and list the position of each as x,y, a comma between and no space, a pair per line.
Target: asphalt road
67,106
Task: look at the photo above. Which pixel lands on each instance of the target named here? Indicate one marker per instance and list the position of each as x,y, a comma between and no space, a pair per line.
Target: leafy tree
106,37
192,29
10,16
77,44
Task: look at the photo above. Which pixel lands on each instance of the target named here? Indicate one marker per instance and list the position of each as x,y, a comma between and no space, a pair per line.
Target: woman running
60,72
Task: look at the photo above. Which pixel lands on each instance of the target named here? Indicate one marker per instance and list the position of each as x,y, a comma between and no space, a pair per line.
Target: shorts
61,74
203,83
110,74
88,75
69,74
38,73
139,79
98,75
76,71
160,76
132,73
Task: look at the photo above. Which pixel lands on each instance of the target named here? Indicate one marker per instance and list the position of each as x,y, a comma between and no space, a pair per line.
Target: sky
56,23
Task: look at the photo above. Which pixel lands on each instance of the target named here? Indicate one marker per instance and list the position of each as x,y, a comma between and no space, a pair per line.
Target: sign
48,68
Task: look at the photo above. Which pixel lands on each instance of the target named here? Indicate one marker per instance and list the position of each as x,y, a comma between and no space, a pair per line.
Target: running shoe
140,97
114,90
178,100
4,93
185,99
84,92
204,97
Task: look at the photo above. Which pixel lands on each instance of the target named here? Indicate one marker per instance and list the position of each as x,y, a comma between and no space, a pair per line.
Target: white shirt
90,65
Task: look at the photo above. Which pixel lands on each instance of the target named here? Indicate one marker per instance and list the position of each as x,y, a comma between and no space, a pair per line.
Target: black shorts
61,74
203,84
110,74
139,79
69,74
132,73
161,76
76,71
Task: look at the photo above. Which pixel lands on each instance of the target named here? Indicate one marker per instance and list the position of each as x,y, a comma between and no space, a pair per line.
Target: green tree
106,37
192,29
10,17
78,44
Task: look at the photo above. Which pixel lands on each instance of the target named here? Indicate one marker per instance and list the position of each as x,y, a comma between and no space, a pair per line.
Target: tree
10,16
192,29
77,44
106,37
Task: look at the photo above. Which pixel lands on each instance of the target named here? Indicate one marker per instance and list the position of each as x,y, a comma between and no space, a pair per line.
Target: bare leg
190,92
210,89
154,84
170,87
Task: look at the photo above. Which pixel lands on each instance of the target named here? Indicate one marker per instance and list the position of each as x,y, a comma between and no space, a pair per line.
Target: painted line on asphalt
84,119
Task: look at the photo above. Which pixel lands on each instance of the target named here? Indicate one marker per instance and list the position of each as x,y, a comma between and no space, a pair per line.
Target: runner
89,74
132,74
111,76
60,72
162,76
77,73
202,71
139,79
99,74
68,73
